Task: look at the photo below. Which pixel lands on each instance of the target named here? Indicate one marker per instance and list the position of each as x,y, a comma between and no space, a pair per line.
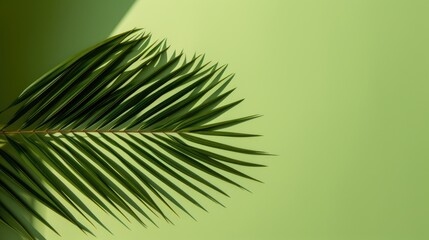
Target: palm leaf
121,124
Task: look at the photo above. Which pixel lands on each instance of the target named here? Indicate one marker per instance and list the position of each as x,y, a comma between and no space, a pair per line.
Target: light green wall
343,87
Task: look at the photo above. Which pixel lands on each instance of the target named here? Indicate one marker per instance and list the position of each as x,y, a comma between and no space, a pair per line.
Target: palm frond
121,124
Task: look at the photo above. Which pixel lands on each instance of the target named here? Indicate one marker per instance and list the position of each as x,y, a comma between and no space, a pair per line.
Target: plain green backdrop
343,87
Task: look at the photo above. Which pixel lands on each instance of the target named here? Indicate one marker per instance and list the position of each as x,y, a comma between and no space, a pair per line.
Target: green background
343,87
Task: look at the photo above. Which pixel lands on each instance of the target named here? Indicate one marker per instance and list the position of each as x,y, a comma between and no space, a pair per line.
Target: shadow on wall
36,36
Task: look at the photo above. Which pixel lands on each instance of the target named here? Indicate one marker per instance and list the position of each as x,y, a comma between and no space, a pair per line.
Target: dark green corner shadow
38,35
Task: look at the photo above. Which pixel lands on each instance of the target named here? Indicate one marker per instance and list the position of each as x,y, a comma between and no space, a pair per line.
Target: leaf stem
6,132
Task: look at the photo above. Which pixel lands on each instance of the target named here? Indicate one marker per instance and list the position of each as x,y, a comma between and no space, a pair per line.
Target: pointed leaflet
39,86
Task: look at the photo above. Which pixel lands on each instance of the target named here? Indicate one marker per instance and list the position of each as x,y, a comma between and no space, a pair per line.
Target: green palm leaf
121,123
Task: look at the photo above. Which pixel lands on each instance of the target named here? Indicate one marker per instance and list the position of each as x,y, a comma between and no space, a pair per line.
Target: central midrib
79,131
